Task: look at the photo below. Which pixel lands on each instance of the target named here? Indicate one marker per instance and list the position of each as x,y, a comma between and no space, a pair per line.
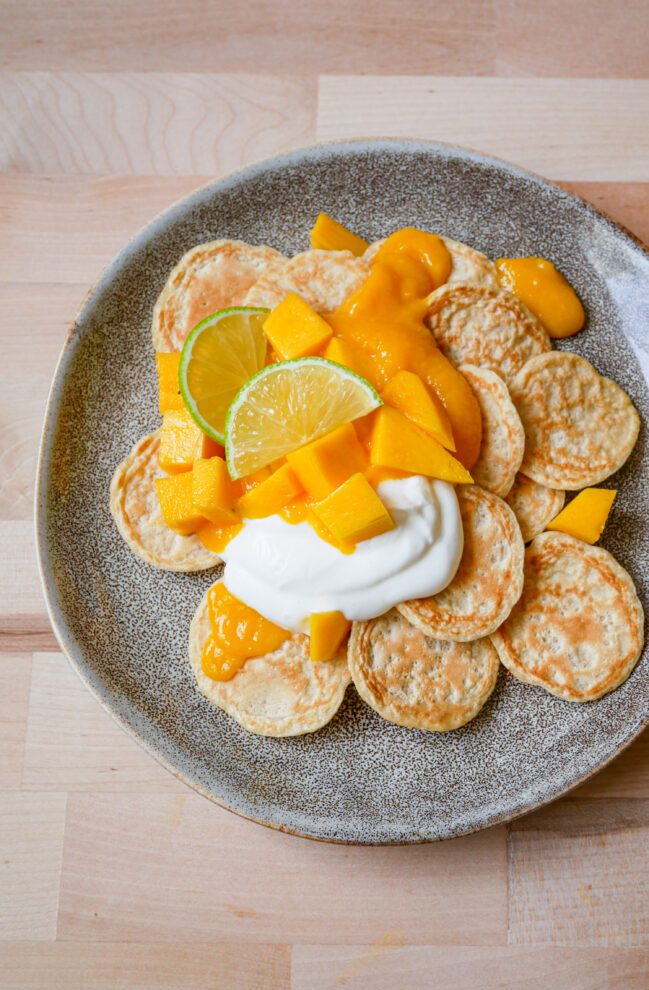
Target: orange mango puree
237,633
545,291
382,326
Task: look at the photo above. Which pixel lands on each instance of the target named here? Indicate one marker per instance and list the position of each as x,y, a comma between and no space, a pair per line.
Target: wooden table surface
115,875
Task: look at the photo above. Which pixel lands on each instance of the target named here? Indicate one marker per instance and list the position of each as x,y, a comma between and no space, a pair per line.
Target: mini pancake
208,278
503,437
279,694
534,505
416,681
135,508
488,328
489,579
468,265
578,628
323,278
579,426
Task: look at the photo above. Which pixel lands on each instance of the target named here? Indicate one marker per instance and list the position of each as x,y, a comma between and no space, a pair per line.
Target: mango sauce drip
545,291
382,325
237,633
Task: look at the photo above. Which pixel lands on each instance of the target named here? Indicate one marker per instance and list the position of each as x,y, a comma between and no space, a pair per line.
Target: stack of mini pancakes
559,614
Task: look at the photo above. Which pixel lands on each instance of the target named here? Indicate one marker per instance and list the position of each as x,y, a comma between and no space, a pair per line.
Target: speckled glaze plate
124,625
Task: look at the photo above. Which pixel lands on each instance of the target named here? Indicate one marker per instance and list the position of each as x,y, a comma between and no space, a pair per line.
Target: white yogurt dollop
287,571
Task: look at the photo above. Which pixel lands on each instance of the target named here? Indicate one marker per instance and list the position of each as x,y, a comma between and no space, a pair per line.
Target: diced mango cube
295,330
398,443
324,464
340,352
329,235
182,441
585,517
250,481
407,393
169,396
354,512
327,631
270,495
212,491
216,538
176,502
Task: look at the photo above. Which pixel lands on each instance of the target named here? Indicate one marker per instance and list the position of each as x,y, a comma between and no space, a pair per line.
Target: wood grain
577,129
116,966
15,675
386,964
149,123
22,607
73,745
31,840
448,893
318,36
577,875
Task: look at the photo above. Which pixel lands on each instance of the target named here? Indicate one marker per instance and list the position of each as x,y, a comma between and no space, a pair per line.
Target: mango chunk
354,512
329,235
270,495
176,502
585,517
182,442
212,491
324,464
407,393
327,631
339,352
169,396
398,443
295,330
216,538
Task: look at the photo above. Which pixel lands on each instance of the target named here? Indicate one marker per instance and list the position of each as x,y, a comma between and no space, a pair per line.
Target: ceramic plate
124,625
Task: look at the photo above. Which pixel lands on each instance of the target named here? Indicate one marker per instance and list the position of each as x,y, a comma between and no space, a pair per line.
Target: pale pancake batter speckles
467,265
489,328
578,628
534,505
208,278
280,694
489,579
323,278
416,681
135,508
503,437
579,427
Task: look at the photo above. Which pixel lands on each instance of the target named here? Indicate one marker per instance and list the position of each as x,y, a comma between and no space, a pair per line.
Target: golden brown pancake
489,328
534,505
467,265
579,426
208,278
578,628
279,694
323,278
489,579
416,681
503,437
135,508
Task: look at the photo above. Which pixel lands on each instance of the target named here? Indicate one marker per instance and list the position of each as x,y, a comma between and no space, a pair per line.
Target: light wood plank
73,745
15,673
35,321
576,129
386,966
580,38
66,229
31,843
577,875
117,966
149,123
22,607
223,874
318,36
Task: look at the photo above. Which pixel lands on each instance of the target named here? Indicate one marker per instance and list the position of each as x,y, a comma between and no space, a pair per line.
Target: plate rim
55,612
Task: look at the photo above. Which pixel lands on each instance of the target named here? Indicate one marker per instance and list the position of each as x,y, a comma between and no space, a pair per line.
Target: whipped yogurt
286,571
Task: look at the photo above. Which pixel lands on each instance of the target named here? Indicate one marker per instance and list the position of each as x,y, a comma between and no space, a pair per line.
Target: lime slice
289,404
221,353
